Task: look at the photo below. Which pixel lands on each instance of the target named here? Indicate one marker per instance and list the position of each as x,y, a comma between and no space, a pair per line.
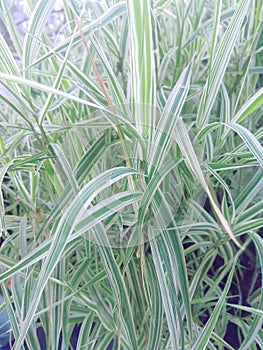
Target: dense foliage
131,174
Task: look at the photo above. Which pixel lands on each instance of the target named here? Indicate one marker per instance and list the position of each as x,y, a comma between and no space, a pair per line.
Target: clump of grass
131,175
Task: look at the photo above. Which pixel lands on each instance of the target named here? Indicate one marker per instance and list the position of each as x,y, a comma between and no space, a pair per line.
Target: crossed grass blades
131,175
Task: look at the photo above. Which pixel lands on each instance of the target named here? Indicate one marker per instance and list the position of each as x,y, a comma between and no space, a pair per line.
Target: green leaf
220,63
35,28
143,78
168,120
206,333
249,107
63,232
250,140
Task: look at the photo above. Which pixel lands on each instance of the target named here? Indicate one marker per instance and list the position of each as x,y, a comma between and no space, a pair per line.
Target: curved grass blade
46,88
2,206
249,107
222,58
206,333
63,232
250,140
170,268
168,120
156,308
187,149
108,16
118,285
12,27
35,28
257,322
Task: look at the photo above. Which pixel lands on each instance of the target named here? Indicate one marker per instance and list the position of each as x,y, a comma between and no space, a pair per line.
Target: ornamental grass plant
131,174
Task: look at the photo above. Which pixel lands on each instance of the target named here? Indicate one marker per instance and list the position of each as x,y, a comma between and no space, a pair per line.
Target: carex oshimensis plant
131,174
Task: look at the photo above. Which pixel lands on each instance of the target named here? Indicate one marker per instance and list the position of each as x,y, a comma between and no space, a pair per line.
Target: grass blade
220,63
205,335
